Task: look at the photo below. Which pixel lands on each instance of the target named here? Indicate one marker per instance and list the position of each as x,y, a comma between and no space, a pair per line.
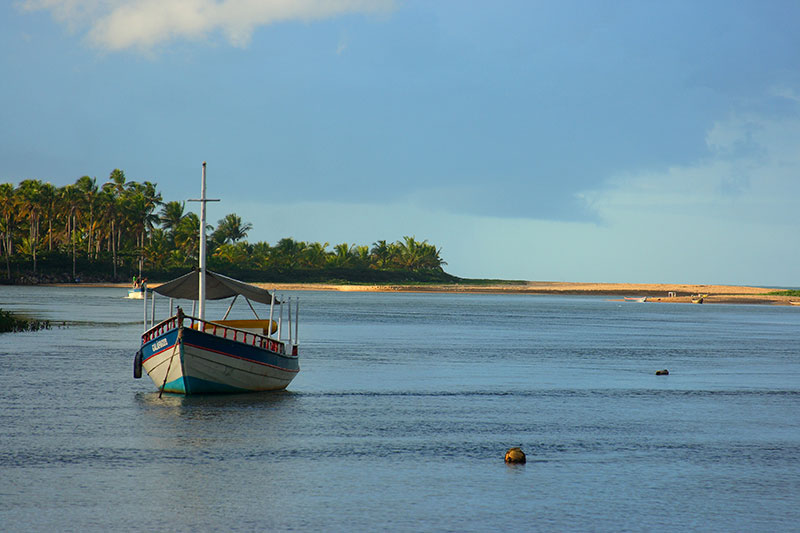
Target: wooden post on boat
271,308
152,305
144,301
280,321
296,318
289,318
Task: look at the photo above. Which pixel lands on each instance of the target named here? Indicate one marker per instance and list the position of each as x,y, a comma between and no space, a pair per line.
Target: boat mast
201,296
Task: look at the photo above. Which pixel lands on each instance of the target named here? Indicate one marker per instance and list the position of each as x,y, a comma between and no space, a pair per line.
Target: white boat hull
187,361
137,294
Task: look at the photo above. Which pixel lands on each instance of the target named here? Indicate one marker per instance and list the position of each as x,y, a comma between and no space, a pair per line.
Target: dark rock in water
664,372
515,455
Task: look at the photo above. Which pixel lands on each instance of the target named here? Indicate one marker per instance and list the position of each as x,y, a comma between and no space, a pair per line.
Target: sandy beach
655,292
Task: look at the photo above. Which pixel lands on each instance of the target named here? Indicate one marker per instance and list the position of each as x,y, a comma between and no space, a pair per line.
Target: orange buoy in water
515,455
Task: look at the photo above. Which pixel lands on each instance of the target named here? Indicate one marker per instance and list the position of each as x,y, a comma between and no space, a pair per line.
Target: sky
591,141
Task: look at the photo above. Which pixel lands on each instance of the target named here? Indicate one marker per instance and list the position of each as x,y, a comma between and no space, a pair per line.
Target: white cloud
143,24
342,46
751,174
786,92
731,218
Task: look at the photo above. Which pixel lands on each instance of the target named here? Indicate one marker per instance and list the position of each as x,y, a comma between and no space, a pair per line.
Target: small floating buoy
664,372
515,455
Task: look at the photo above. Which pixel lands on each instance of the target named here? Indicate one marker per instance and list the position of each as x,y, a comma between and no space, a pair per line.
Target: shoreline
655,292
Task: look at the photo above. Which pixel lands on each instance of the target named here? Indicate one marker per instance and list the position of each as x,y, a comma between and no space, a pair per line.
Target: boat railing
219,330
161,328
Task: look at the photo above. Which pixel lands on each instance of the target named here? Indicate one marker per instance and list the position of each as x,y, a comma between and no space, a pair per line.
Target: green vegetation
492,282
109,232
793,293
10,322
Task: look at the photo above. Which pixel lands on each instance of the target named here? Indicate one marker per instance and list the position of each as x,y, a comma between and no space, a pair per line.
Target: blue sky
573,140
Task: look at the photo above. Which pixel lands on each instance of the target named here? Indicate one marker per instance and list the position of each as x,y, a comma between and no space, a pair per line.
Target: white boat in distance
137,293
188,354
640,299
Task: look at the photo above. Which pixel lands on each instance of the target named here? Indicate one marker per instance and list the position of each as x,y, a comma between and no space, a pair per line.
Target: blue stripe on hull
177,386
158,358
202,386
242,351
159,344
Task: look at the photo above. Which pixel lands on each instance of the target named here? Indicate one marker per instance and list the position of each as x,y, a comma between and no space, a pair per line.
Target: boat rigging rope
178,344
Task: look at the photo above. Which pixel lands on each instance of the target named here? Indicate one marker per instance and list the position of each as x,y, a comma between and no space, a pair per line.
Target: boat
698,298
187,354
139,288
137,293
794,303
640,299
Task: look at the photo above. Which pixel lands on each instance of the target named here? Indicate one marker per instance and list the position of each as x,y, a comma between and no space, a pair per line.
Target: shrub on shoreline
793,292
10,322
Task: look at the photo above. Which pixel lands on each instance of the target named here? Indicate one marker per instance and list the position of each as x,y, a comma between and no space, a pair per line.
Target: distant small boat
698,298
794,303
641,299
137,293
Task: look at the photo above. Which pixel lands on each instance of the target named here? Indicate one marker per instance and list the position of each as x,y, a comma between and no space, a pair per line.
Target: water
401,415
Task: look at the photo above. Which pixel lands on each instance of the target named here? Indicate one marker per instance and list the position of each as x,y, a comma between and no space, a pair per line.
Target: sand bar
655,292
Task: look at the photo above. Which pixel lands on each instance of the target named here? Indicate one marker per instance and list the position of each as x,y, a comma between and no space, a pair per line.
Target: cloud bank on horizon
750,175
144,24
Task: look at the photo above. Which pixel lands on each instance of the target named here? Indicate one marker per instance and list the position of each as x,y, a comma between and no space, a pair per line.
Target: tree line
126,226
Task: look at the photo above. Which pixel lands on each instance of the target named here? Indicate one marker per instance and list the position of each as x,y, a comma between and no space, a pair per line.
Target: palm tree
342,255
141,202
8,213
381,254
117,181
29,200
158,248
287,253
187,236
70,200
415,255
360,256
261,255
118,187
88,188
231,229
430,257
315,255
237,254
47,201
171,216
109,215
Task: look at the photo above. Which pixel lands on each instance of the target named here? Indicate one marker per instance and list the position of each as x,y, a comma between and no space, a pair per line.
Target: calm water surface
401,415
